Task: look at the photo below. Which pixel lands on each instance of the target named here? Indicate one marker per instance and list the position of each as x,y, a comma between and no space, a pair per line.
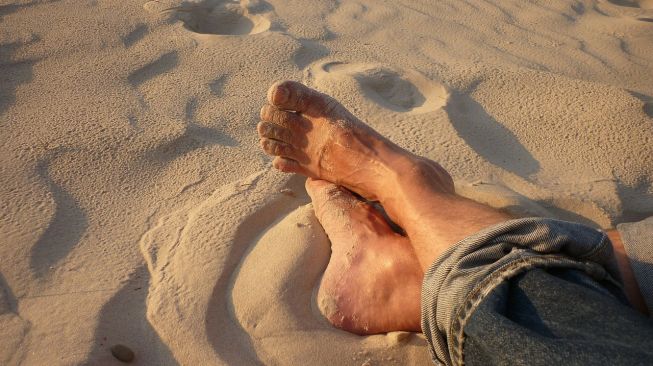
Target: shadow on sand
489,138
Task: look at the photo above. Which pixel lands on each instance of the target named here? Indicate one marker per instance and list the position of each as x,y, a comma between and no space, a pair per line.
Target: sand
136,207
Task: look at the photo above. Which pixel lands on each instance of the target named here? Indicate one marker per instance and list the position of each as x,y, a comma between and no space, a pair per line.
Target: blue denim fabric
532,291
557,317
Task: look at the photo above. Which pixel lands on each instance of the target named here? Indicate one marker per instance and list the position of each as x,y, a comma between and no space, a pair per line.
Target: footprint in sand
648,109
66,226
161,65
135,35
642,4
647,101
188,137
227,18
401,91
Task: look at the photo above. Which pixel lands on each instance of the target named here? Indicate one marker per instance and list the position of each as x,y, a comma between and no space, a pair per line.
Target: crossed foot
373,280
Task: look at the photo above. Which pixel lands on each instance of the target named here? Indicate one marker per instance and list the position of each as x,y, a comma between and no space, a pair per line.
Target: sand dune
137,208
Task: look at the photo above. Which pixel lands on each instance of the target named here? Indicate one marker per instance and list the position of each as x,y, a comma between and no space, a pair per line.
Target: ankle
420,197
386,171
453,220
410,176
410,187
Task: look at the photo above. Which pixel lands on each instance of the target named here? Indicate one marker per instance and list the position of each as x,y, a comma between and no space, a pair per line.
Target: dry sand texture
136,207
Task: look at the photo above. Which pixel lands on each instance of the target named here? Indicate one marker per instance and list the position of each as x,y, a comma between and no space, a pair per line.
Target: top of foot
312,134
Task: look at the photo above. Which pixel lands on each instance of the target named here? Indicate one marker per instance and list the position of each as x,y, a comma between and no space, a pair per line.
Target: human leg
557,316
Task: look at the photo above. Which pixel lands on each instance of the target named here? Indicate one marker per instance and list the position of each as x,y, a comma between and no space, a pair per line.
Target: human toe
287,119
287,165
294,96
279,148
274,131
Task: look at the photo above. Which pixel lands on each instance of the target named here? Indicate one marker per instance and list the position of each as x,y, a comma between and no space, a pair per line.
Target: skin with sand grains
311,134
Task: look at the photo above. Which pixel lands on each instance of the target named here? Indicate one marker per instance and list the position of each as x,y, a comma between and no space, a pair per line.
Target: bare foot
312,134
373,280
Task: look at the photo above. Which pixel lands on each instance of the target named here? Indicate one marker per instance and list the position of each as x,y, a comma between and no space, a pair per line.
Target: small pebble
122,353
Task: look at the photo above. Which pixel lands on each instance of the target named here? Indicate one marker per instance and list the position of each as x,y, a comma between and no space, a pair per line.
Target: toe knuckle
286,150
277,116
285,119
269,130
287,135
280,134
275,134
277,148
270,148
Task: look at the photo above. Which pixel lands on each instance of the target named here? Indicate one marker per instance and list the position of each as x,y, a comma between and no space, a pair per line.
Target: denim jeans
534,292
557,317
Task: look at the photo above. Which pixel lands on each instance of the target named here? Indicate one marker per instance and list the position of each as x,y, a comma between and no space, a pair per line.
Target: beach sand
136,207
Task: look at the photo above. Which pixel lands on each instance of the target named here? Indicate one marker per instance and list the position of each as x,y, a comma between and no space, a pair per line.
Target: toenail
281,95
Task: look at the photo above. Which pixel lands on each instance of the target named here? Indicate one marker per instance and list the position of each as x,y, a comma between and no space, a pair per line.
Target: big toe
294,96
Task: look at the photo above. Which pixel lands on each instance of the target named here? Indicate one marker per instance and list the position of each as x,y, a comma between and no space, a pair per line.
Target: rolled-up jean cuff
458,281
